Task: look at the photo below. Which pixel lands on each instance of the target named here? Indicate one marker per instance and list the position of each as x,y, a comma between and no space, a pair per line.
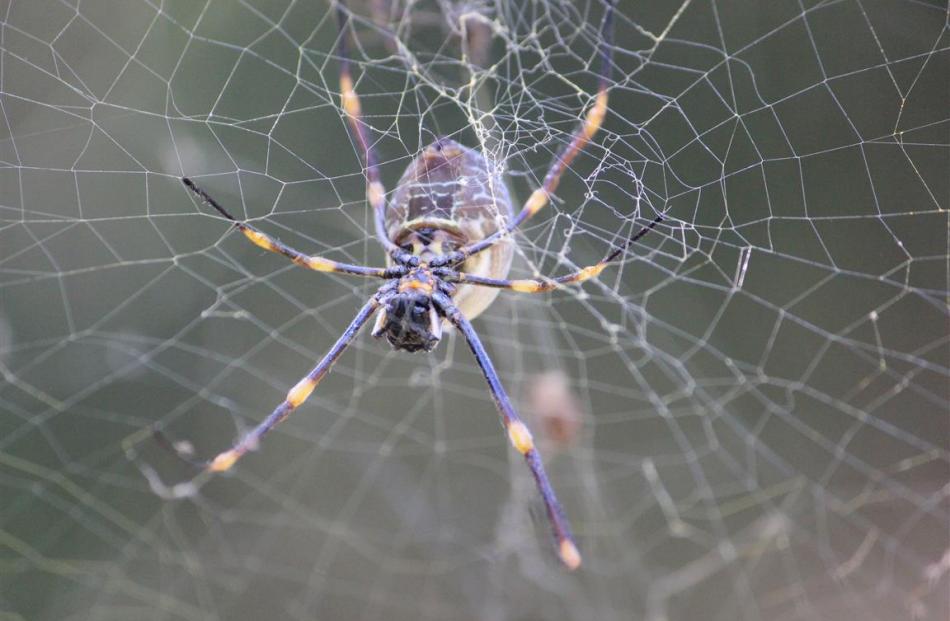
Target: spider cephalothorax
446,232
448,197
409,317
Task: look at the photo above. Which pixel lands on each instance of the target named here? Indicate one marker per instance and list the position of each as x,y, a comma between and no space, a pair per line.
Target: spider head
409,321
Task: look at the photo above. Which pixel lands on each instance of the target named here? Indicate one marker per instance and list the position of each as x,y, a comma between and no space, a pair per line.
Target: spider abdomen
449,197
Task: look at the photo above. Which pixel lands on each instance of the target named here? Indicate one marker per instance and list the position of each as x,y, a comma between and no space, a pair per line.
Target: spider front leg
301,390
538,285
518,433
375,191
268,243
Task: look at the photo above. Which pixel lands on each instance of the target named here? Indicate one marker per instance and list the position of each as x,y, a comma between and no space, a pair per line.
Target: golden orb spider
448,257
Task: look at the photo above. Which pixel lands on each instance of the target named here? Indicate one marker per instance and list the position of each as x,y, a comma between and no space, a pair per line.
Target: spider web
745,419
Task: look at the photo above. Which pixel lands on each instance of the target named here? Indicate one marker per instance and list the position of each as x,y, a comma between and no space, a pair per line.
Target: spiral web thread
746,418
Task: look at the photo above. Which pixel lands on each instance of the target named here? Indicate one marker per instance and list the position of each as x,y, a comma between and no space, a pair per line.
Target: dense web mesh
746,418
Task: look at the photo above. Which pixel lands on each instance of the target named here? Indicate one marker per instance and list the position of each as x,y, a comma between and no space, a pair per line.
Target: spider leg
267,242
538,285
582,136
375,191
299,393
518,433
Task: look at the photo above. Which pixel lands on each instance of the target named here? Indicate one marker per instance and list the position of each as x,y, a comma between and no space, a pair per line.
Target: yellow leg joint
569,554
596,115
376,194
537,200
520,437
591,272
351,103
259,239
525,286
299,393
321,265
224,461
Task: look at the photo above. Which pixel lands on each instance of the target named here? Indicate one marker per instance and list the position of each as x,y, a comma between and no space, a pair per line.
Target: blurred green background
761,387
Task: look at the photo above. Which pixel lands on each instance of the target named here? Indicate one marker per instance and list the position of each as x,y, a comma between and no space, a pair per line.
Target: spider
448,258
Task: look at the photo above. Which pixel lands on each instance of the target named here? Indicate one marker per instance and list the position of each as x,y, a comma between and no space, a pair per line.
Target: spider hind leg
518,434
300,392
